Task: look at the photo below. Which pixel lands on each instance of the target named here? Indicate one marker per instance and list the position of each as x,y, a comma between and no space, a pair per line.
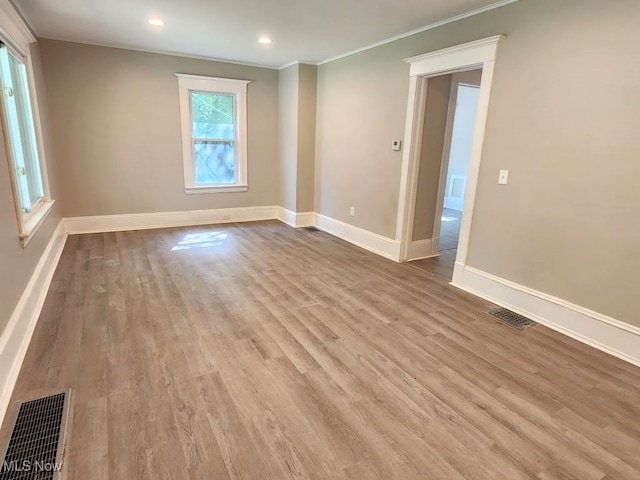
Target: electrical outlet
353,211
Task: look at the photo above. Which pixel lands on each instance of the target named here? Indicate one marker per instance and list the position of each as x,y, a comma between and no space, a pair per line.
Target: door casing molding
468,56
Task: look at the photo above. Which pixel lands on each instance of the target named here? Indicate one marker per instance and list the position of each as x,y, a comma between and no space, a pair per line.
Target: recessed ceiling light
156,22
264,40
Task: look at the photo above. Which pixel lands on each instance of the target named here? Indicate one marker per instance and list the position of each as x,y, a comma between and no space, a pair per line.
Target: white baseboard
287,216
15,339
294,219
419,249
595,329
383,246
306,219
143,221
373,242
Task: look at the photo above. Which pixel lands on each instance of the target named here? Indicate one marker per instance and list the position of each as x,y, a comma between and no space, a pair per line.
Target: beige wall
307,100
433,139
116,125
19,263
362,102
563,119
297,136
288,136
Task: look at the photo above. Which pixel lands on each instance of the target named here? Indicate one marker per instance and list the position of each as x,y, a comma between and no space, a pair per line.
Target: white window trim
16,34
189,83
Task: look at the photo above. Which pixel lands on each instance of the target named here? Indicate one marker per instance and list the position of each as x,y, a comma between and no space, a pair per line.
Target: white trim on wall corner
420,249
144,221
305,219
287,65
612,336
291,64
287,216
16,337
297,220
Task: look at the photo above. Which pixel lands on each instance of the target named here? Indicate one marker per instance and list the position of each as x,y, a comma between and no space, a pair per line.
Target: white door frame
468,56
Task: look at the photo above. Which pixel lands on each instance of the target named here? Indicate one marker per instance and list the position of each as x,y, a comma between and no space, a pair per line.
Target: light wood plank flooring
259,351
450,229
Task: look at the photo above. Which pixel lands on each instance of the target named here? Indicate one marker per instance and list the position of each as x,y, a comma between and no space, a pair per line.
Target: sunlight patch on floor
201,240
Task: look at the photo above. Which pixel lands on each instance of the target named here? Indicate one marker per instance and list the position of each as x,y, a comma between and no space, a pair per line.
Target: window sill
31,226
221,189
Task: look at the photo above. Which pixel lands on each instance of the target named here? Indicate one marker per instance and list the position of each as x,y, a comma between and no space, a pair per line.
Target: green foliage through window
213,132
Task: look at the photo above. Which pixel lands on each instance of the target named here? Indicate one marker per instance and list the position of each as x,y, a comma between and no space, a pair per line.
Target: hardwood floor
264,352
450,229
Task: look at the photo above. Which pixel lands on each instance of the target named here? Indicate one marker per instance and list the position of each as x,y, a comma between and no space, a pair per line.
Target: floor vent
36,445
510,318
311,229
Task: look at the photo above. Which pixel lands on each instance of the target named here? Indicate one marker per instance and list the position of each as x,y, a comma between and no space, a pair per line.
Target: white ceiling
302,30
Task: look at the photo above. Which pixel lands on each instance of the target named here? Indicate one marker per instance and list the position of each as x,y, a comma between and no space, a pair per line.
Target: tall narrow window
18,114
213,115
214,138
21,131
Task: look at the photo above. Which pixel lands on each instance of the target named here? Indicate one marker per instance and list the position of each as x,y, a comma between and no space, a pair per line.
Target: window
214,142
19,127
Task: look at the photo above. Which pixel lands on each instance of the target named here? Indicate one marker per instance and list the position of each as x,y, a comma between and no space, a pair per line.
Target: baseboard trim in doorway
143,221
607,334
421,249
16,337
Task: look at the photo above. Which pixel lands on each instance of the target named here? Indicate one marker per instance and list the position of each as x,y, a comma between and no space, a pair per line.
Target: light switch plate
396,145
503,178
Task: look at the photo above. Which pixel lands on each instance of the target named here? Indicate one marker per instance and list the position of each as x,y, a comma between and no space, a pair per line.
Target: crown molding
291,64
14,28
163,52
431,26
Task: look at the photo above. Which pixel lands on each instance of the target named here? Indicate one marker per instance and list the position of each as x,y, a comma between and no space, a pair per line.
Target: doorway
479,54
456,157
